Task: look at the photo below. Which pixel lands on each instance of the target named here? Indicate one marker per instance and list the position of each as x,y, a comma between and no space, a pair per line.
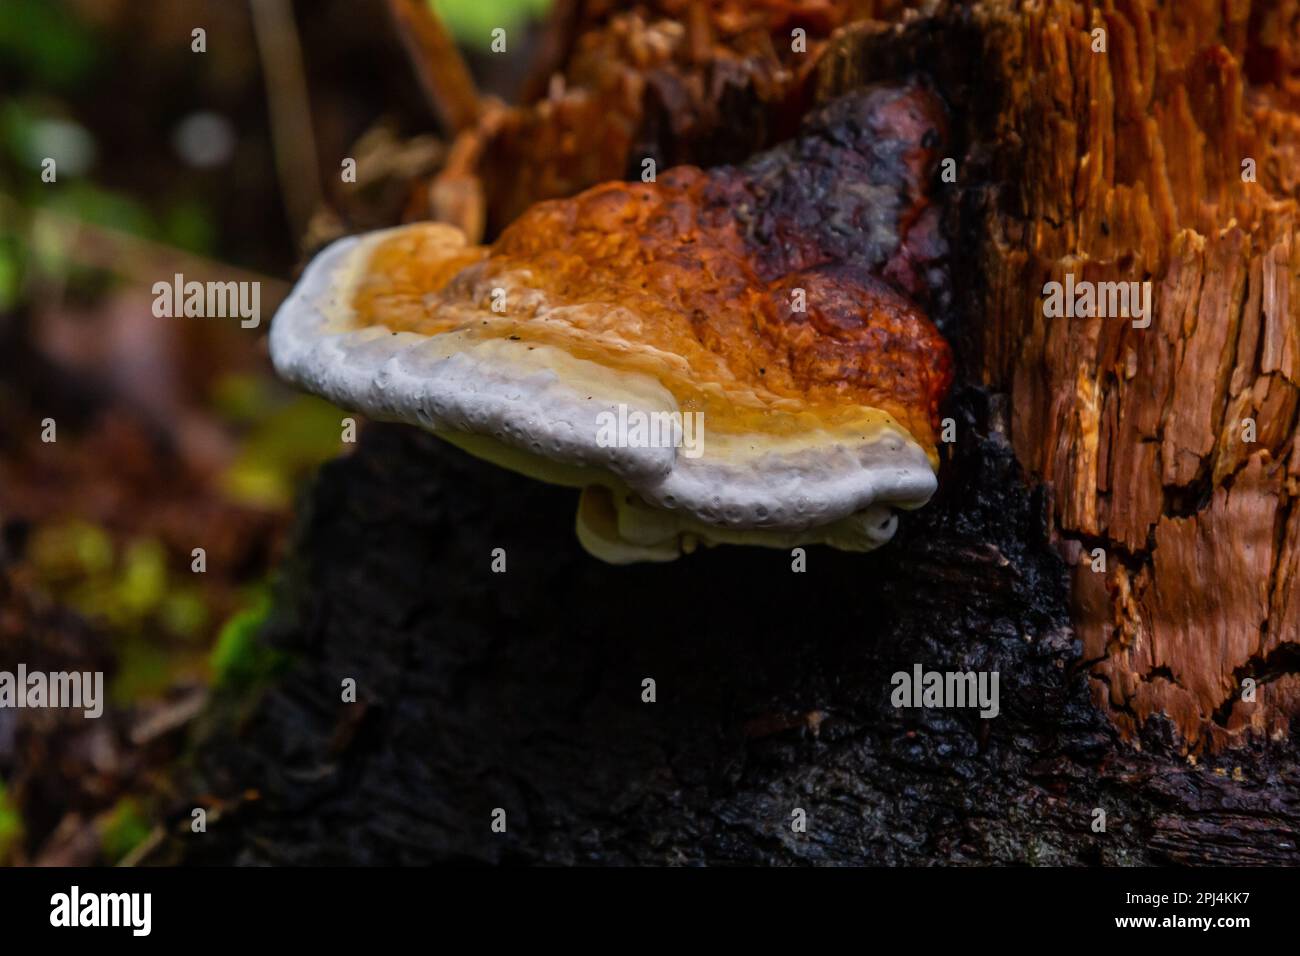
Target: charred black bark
522,691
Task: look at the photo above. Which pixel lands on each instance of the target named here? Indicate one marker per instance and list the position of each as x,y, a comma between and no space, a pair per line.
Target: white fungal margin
536,408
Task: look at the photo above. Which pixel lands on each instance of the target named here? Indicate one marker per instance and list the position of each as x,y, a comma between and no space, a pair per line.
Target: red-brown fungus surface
786,282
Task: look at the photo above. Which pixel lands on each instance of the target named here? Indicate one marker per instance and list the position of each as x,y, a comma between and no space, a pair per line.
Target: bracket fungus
771,301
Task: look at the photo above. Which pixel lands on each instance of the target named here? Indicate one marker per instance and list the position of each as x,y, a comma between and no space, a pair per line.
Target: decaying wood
438,64
523,691
1127,165
674,81
1120,690
1134,171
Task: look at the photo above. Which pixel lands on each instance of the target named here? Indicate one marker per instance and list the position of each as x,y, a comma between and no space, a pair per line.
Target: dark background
171,434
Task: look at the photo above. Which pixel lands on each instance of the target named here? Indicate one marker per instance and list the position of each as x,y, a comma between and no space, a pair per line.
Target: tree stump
1121,689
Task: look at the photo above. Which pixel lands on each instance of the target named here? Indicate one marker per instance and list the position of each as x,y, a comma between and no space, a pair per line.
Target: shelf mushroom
721,356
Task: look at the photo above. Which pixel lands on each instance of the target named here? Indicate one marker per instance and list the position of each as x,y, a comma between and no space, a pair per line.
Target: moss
471,22
184,613
124,829
241,659
11,825
285,445
143,582
144,671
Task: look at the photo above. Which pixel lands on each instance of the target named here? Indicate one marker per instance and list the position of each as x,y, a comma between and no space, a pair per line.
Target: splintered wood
1160,143
673,81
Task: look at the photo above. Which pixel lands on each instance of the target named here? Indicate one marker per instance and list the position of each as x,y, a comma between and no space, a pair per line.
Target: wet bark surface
523,690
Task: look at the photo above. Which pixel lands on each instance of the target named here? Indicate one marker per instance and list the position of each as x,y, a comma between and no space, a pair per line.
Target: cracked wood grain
1139,433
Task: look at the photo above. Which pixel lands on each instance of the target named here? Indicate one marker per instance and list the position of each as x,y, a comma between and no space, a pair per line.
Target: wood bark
1118,149
1121,690
1135,171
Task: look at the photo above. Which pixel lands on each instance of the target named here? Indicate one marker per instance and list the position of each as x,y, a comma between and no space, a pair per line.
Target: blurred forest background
170,434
